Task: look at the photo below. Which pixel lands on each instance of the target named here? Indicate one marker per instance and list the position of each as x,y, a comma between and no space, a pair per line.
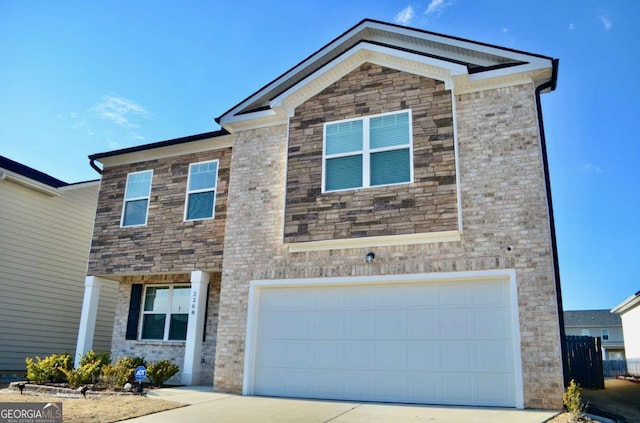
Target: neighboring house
629,311
597,323
375,224
45,231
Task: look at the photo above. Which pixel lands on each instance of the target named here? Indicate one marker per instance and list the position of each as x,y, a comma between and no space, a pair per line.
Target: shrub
49,369
87,373
103,357
572,399
116,375
161,371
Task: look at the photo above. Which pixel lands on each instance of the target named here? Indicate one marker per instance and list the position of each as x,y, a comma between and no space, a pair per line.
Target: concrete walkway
206,405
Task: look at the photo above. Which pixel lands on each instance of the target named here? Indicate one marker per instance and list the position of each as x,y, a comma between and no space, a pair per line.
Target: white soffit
207,144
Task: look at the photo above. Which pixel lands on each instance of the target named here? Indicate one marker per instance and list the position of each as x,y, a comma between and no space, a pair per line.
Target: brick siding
166,243
427,205
503,203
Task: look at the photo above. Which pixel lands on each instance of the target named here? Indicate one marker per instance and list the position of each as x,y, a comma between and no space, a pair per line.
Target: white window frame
366,151
126,200
167,320
585,332
605,332
197,191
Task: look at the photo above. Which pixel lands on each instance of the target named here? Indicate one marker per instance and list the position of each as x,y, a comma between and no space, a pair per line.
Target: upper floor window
201,190
136,198
165,313
367,152
585,332
605,334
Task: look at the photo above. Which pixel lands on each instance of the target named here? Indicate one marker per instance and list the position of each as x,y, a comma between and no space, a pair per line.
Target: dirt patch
97,408
618,398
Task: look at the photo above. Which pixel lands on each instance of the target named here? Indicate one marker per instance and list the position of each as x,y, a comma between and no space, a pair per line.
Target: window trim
603,333
167,322
366,151
198,191
125,200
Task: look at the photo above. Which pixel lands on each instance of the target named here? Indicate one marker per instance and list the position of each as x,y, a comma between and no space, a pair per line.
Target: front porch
159,317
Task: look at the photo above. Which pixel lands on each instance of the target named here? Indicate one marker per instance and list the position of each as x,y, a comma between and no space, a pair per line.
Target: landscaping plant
50,369
572,399
161,371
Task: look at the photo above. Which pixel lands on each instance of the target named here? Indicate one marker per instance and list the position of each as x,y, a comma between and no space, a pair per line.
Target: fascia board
168,151
533,66
374,52
627,304
30,183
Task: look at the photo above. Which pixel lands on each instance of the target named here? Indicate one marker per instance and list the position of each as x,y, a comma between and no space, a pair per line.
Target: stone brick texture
429,204
173,351
503,203
166,243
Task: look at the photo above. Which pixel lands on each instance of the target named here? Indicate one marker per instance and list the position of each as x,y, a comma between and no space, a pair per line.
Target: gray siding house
45,233
598,323
374,224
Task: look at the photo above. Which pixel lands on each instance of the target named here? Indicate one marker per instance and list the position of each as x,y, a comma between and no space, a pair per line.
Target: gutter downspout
95,167
552,226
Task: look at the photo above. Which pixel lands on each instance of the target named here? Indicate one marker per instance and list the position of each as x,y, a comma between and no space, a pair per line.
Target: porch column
92,285
195,328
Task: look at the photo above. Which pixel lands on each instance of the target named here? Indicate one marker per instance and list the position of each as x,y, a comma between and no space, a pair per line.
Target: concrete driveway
205,405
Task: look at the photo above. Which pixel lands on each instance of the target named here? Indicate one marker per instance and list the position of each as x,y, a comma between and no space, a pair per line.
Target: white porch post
195,328
88,316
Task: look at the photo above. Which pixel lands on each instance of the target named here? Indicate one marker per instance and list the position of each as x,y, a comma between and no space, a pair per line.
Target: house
374,224
597,323
629,312
45,233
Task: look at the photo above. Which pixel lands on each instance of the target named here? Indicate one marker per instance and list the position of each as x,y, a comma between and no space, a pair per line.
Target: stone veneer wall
166,243
429,204
503,203
174,350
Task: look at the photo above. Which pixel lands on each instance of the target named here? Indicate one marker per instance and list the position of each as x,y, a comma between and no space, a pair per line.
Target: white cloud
436,7
404,16
505,30
590,167
606,22
118,110
571,26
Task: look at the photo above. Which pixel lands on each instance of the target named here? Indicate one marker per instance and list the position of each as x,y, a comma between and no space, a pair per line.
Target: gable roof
590,318
628,304
474,59
30,173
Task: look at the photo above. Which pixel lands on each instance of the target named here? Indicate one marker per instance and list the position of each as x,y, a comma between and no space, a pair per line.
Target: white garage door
439,343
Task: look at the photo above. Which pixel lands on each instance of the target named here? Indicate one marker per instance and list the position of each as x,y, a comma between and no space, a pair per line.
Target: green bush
161,371
122,371
49,369
87,373
572,399
103,357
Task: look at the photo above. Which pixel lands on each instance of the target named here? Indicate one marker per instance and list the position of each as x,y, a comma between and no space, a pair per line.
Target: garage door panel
388,324
445,343
359,355
491,323
422,324
390,355
359,325
423,356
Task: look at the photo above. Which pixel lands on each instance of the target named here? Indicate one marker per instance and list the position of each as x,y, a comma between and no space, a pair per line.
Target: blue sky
79,77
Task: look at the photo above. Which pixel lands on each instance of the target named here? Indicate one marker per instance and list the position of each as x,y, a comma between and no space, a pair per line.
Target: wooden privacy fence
584,358
613,368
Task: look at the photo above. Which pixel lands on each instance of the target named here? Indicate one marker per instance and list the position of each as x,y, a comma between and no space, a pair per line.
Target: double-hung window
165,313
367,152
605,334
201,190
136,198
